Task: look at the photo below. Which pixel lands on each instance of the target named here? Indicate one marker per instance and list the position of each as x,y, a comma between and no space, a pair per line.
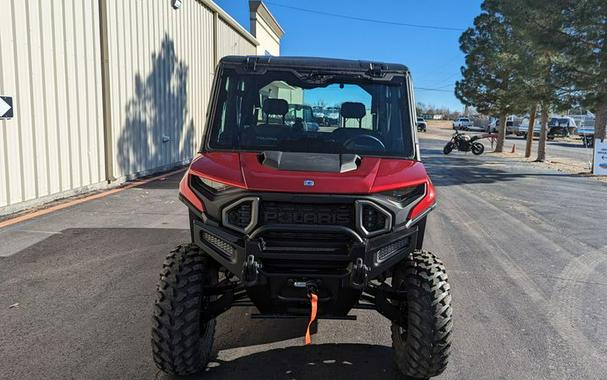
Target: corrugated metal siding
161,72
49,59
232,43
161,66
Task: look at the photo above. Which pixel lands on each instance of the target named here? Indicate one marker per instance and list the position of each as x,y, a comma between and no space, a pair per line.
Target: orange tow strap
314,306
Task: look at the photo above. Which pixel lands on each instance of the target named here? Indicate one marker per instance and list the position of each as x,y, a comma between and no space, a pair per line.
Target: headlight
214,185
405,195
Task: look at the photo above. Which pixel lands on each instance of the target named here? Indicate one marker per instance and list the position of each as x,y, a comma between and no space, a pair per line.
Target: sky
433,56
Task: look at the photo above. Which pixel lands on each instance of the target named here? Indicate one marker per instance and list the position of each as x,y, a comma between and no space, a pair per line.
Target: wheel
524,136
423,345
448,148
181,344
478,148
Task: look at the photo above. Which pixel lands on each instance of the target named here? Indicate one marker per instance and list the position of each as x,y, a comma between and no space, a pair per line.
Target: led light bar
221,245
384,253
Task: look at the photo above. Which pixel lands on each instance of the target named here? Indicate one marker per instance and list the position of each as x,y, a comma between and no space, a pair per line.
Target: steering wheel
375,142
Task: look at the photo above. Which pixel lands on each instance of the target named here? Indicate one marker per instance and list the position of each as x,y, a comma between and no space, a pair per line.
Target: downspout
215,38
105,91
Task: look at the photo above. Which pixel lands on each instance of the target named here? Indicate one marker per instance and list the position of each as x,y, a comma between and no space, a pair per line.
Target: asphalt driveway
526,250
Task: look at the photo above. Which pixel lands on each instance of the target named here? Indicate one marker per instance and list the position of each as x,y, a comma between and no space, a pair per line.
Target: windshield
280,111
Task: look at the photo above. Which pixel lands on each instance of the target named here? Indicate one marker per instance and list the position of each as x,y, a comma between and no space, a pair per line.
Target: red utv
306,223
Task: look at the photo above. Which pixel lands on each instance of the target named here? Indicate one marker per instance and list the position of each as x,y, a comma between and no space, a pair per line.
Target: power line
443,86
431,89
446,80
386,22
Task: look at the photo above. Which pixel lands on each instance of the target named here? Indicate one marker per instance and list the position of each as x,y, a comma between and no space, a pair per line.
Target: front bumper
279,279
378,254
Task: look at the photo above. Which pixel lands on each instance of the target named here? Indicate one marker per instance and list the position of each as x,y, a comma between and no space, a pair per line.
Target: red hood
244,170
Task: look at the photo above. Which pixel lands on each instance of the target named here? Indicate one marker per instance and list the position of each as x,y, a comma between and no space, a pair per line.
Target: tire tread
425,352
180,344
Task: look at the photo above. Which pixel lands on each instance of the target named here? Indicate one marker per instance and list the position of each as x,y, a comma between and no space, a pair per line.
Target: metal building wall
49,64
161,70
104,89
231,43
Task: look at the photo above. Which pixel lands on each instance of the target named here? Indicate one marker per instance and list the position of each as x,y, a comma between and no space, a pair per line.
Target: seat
352,110
276,107
261,134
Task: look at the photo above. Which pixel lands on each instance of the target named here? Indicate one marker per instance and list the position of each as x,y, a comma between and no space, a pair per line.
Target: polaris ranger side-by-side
303,222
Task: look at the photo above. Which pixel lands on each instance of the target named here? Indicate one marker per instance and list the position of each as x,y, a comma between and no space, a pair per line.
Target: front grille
317,242
315,214
325,252
334,267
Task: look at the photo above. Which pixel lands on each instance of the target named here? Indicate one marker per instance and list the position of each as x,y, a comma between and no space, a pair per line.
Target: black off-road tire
181,345
448,148
423,345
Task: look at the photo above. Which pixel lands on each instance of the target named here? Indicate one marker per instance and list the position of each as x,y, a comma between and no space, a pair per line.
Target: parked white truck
585,128
462,123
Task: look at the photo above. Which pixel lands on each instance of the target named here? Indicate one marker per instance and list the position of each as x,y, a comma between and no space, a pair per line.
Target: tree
490,81
577,31
420,108
583,40
537,63
530,130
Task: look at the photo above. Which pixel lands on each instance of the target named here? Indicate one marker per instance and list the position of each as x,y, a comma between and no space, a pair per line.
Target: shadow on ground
570,144
323,361
236,329
460,168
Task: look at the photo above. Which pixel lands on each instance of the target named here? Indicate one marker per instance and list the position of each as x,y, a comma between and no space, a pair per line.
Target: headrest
353,110
275,107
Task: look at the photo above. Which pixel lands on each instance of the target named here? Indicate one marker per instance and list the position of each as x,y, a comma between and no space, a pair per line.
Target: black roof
315,63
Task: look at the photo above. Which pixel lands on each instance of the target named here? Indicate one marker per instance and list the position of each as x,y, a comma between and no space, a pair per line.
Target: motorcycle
464,143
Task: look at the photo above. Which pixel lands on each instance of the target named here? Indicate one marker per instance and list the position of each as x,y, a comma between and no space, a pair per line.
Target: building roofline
259,8
230,21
